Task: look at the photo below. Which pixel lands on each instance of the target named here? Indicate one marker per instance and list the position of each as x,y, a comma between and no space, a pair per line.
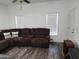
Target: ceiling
9,2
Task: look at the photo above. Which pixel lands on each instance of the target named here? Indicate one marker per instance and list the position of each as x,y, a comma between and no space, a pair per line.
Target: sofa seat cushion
40,36
21,41
40,42
16,40
10,41
26,41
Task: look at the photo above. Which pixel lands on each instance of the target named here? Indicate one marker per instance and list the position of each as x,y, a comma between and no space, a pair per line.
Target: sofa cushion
10,41
40,31
39,42
22,41
25,31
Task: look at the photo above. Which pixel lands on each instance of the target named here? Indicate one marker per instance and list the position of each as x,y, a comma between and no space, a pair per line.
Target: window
19,21
52,23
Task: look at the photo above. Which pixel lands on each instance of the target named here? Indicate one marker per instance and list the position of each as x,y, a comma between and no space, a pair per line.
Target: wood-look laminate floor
53,52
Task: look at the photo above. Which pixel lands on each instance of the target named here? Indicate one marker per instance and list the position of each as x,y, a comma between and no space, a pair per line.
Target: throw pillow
7,35
14,34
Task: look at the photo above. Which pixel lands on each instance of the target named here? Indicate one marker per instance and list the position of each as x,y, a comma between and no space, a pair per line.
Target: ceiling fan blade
27,1
14,1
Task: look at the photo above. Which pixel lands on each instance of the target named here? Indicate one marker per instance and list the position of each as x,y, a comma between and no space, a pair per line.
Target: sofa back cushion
40,31
25,32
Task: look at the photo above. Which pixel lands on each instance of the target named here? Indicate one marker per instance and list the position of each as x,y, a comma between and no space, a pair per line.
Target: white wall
73,21
77,22
4,19
35,16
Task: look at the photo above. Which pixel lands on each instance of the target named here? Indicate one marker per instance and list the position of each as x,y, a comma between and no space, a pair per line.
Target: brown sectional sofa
36,37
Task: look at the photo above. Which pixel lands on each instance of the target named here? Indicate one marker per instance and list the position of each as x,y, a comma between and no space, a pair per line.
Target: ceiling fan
21,1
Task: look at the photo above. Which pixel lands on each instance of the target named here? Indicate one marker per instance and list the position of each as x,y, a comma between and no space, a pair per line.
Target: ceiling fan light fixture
26,1
21,1
14,1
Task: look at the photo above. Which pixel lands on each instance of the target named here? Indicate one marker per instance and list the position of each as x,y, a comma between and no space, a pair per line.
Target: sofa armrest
3,44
